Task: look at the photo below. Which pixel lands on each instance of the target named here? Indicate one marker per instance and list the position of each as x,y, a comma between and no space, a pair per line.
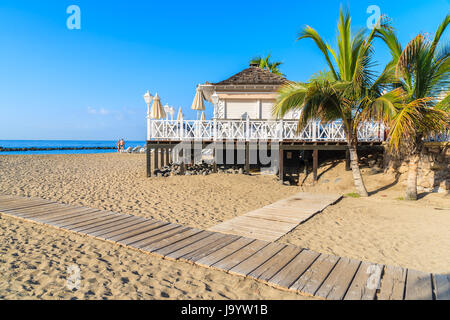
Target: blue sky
57,83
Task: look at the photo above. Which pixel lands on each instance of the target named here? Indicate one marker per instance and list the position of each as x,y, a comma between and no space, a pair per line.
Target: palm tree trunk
411,187
357,178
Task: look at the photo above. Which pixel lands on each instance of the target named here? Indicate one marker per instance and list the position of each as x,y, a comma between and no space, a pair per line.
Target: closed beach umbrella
180,115
198,104
157,111
203,116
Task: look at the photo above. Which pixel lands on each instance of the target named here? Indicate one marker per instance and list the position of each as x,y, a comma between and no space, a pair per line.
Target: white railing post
314,130
164,128
247,128
382,132
214,129
282,130
181,128
149,128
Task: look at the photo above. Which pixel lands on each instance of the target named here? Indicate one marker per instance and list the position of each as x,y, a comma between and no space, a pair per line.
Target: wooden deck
275,220
284,266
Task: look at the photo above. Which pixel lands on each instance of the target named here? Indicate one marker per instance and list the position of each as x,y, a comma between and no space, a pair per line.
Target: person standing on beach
118,145
122,145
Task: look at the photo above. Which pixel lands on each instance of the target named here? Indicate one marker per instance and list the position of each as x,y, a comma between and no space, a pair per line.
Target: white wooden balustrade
248,130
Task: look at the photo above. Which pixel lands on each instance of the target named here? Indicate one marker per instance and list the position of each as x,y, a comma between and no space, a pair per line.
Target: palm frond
310,33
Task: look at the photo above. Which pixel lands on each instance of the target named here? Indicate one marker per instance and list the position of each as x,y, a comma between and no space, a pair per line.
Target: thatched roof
253,76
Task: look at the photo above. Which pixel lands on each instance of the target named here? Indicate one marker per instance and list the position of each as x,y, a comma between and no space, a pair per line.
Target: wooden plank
104,233
198,245
64,215
147,235
286,218
418,286
85,218
122,236
59,213
20,201
10,203
283,211
240,255
312,279
107,224
213,247
253,235
21,205
392,283
188,232
174,230
249,233
132,227
43,210
224,252
247,230
32,215
140,234
338,281
366,282
236,227
16,208
104,217
84,228
257,223
253,262
181,244
442,286
292,271
272,266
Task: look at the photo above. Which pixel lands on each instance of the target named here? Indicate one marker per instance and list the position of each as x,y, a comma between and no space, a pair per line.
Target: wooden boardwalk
275,220
284,266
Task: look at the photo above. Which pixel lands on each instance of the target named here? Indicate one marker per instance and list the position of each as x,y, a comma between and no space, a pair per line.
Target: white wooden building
250,93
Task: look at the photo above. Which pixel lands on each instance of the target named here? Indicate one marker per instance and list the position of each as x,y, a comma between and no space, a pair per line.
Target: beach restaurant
243,120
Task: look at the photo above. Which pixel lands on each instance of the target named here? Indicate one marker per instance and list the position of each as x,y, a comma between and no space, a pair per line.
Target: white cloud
101,111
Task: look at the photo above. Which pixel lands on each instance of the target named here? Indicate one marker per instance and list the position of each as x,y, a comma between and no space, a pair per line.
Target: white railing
249,130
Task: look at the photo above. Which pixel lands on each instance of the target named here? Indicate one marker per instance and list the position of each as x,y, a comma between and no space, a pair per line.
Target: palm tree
265,63
345,91
423,72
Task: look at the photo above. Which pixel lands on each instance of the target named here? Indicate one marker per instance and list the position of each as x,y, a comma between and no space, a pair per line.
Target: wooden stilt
214,158
162,157
347,160
247,158
182,159
315,163
149,163
155,157
167,156
281,164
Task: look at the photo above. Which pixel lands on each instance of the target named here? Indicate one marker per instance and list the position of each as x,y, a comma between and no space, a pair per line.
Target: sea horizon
65,143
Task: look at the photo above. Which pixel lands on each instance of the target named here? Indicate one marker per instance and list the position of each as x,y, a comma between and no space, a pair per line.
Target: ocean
64,144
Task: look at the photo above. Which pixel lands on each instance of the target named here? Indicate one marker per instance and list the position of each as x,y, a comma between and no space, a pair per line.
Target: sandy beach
34,260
